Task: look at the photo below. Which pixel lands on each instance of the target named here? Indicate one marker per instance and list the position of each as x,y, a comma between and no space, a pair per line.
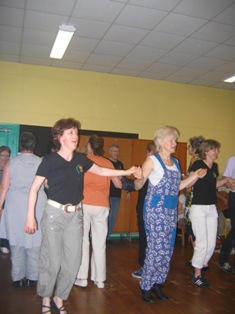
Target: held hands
139,174
230,183
132,170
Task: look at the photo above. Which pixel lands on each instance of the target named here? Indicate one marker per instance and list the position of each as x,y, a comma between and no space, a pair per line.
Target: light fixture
62,41
230,79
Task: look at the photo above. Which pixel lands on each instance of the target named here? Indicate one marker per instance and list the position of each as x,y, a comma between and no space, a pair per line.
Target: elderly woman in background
17,179
5,153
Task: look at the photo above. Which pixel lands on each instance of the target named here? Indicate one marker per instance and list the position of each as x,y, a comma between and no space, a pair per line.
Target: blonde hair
162,133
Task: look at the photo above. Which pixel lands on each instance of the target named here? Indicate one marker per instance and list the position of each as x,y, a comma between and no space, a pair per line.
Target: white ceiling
185,41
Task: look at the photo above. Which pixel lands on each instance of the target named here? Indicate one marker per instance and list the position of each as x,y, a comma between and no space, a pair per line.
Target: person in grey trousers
62,221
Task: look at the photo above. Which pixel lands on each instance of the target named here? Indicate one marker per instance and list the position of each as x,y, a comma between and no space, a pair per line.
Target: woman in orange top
95,213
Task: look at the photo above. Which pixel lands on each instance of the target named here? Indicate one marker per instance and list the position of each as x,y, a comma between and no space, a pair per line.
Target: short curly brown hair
60,126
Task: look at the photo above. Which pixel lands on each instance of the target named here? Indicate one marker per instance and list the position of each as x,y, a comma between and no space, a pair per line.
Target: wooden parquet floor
122,294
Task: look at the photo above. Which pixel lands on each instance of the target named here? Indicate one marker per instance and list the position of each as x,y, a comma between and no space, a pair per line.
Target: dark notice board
44,138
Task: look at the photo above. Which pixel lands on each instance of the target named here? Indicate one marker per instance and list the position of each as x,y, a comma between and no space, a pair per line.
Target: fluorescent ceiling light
230,79
62,41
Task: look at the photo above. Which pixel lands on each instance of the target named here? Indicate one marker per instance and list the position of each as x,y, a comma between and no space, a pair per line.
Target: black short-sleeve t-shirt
115,192
204,190
65,178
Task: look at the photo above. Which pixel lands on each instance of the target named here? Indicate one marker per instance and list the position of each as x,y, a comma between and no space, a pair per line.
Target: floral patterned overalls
160,217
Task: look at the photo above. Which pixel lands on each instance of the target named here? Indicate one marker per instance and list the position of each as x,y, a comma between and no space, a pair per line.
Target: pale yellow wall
38,95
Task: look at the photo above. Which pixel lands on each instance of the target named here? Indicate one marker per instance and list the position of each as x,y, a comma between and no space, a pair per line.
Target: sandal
59,310
47,307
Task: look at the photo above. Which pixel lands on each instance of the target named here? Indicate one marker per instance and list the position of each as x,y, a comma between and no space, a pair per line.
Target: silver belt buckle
66,208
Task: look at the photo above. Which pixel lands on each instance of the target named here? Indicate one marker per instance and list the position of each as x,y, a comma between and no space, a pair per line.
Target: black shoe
109,241
157,289
29,283
200,281
205,268
147,296
225,267
19,283
58,309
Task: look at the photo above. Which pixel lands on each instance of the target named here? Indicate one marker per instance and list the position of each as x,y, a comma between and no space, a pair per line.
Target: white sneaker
81,283
5,250
99,285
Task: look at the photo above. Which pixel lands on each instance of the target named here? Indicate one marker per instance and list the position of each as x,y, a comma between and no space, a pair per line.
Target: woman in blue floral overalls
160,210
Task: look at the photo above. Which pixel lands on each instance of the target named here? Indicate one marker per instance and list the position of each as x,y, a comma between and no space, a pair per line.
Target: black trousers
140,221
4,243
229,242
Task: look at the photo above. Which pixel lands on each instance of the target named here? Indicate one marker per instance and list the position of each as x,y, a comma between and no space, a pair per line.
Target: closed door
9,136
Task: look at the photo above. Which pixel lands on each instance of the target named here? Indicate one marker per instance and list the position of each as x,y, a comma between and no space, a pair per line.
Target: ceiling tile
51,6
190,73
103,11
75,56
195,46
177,58
206,9
206,63
148,53
227,67
119,36
10,48
216,32
35,51
223,52
231,41
165,5
9,58
36,61
135,16
20,4
38,38
83,44
125,34
134,64
44,21
163,68
113,48
214,76
202,82
66,64
89,29
10,34
227,16
11,17
161,40
175,24
105,60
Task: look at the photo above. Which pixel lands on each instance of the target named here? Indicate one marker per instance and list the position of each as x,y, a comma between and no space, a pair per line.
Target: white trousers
204,220
94,220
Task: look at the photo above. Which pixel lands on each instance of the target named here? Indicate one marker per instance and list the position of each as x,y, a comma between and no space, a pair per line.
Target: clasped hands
230,183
